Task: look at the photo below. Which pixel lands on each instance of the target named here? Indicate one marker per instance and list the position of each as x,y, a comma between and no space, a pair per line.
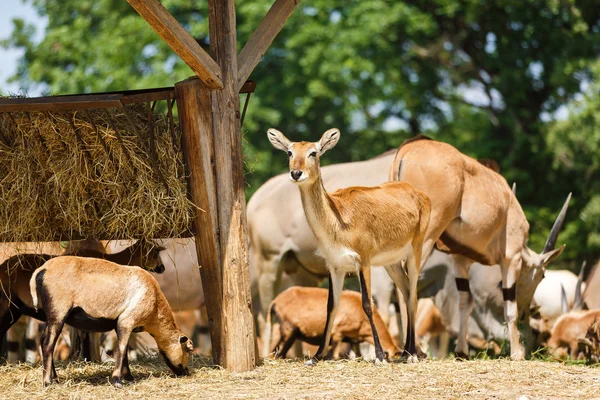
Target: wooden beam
180,41
262,38
237,350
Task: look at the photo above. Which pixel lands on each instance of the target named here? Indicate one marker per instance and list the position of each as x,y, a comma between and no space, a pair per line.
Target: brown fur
15,273
476,217
569,330
357,226
128,295
302,312
429,319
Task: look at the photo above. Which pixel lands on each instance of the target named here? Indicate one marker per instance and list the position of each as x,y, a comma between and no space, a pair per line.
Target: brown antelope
359,226
15,299
476,217
300,312
283,247
128,299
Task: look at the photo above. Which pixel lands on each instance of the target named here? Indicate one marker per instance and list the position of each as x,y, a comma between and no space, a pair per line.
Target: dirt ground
496,379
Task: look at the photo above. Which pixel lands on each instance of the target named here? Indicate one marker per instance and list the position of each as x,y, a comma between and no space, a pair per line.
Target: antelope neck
320,210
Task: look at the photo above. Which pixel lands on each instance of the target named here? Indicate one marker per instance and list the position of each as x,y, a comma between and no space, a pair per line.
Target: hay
331,380
91,173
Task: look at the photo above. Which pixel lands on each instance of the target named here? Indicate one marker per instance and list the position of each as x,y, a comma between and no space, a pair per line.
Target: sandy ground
496,379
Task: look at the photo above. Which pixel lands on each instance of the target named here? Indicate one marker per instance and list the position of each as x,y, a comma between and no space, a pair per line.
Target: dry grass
72,173
291,379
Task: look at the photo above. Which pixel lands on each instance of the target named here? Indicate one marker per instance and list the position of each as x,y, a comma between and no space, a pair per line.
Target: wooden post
238,351
212,145
195,118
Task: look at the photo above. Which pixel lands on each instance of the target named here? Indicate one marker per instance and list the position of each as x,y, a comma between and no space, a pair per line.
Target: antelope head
533,265
304,156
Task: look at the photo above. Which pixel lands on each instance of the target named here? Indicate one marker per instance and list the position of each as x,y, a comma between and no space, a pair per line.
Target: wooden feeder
208,108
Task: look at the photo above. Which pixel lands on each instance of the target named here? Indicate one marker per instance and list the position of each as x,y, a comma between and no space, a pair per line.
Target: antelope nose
296,174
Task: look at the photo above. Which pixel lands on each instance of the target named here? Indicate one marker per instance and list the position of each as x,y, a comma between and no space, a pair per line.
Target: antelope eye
289,153
313,154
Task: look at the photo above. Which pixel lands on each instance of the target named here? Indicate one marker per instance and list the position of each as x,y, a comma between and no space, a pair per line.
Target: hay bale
91,173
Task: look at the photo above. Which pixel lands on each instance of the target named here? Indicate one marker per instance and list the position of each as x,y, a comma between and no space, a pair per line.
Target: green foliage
381,71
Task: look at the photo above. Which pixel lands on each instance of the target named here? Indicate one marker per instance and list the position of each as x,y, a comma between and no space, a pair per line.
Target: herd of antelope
424,221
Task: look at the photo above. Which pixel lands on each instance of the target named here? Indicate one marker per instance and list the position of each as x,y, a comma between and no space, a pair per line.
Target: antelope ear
328,140
547,258
278,139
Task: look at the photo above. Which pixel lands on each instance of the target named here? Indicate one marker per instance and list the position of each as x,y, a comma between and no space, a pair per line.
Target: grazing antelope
476,217
359,226
570,330
15,299
431,328
300,312
128,299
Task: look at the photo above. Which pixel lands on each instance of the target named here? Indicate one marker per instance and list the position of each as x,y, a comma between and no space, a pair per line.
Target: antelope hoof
311,363
460,356
517,356
412,359
117,382
380,362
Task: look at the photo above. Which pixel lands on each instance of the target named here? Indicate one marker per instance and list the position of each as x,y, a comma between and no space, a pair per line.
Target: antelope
282,245
129,299
15,299
431,328
571,329
359,226
477,218
301,315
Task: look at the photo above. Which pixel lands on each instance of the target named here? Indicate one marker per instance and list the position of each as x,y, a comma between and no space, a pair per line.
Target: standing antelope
359,226
476,217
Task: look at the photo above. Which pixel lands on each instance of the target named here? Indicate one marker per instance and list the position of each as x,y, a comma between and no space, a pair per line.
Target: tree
479,75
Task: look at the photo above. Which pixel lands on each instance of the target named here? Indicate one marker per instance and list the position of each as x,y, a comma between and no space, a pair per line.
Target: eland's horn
578,303
514,188
563,300
551,242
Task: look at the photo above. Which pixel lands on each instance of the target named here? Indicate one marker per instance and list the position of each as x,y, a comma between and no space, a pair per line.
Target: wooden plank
55,103
262,38
195,118
237,350
180,41
248,87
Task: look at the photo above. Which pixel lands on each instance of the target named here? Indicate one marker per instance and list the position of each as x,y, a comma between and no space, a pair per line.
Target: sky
10,9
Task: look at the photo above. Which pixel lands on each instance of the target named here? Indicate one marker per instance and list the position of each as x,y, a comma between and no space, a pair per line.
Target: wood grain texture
262,38
237,352
180,41
195,118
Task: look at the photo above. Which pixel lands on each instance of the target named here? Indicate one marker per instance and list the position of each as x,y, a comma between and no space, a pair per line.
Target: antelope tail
33,285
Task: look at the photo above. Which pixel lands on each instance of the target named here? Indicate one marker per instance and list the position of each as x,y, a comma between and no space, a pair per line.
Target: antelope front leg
462,266
336,282
511,312
367,304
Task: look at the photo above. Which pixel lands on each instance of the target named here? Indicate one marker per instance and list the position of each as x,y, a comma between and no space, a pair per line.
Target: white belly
392,257
347,260
340,259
